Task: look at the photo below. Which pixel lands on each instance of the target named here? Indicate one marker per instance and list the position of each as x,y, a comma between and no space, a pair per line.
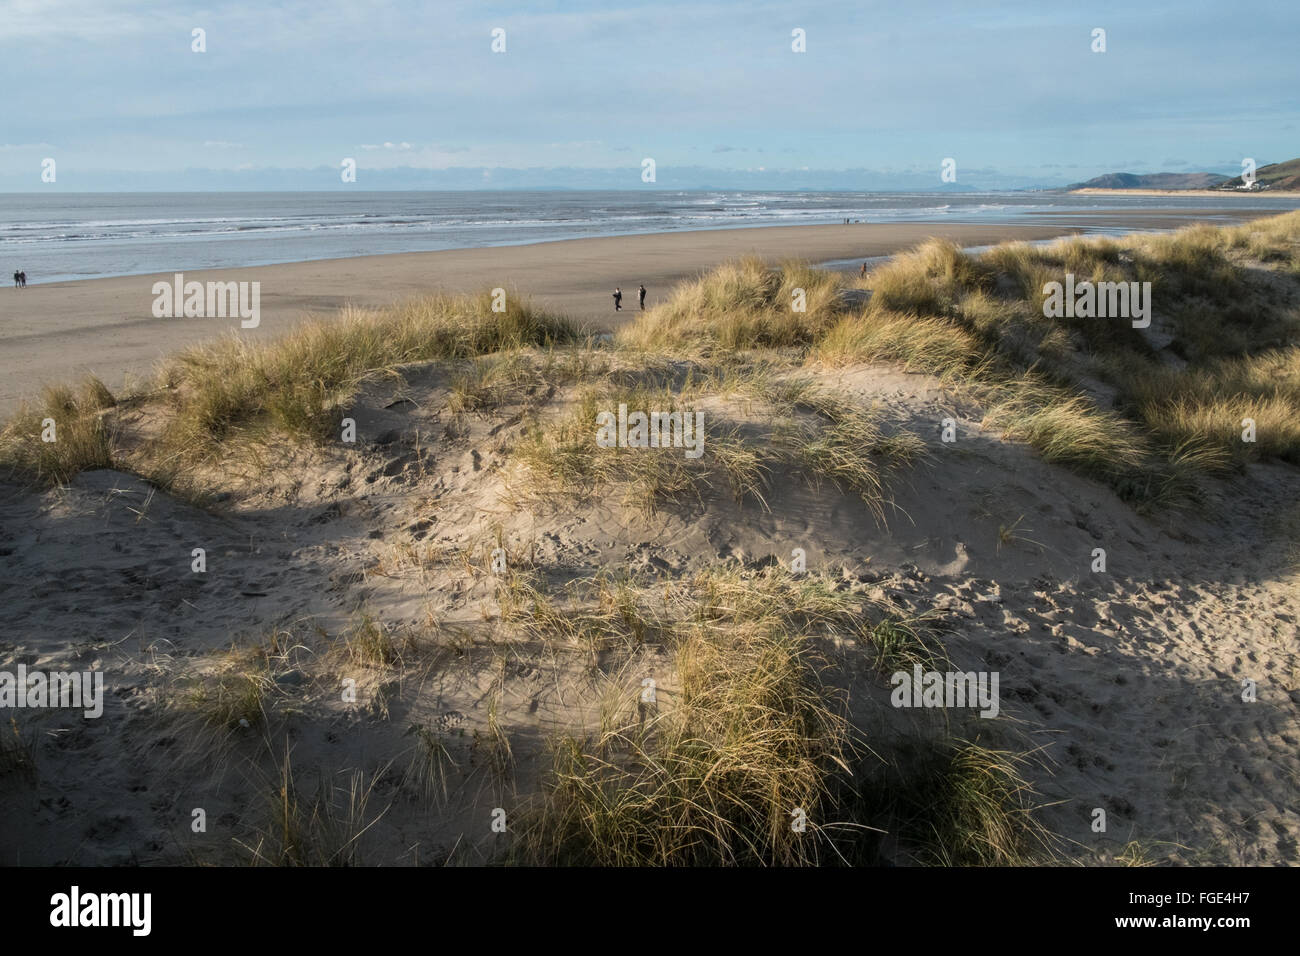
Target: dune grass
1208,406
236,687
915,343
371,643
300,383
853,453
236,690
744,304
483,384
927,281
954,802
899,644
429,771
297,386
64,434
1234,332
748,761
595,614
312,825
976,322
231,697
973,320
838,442
751,737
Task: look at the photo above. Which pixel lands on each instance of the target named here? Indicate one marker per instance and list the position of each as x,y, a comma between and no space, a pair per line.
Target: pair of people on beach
20,280
618,298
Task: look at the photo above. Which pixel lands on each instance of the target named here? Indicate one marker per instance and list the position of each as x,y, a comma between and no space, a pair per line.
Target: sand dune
1125,679
397,641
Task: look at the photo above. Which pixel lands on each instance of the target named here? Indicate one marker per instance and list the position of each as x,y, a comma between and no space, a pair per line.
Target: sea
60,236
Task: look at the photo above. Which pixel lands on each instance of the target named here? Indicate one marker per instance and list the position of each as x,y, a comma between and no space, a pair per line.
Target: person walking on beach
618,299
17,281
22,280
642,292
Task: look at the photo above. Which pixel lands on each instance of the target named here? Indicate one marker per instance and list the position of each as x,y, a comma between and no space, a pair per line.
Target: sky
713,92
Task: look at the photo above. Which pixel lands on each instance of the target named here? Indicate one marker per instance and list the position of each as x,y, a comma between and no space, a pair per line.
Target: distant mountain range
1279,176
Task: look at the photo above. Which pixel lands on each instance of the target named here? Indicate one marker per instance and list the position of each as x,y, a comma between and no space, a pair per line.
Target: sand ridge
1126,682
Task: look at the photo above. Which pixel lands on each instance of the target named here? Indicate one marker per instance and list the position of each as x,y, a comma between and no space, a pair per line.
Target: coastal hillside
1273,176
456,582
1152,181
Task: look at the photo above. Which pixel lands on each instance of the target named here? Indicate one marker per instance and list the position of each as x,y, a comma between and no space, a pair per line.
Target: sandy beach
1216,193
62,331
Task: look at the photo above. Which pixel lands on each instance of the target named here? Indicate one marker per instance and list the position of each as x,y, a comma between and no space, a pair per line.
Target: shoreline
61,331
1216,193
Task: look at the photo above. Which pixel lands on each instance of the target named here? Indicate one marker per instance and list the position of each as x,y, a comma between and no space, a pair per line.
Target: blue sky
711,90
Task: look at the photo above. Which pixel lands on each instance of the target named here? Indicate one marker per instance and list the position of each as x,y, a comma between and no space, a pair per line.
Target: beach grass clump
1192,262
900,643
977,322
916,343
1025,270
562,454
1272,424
1065,426
312,823
229,697
1274,241
596,614
752,735
67,432
372,643
954,802
237,687
1141,467
483,384
302,382
853,453
1066,429
813,433
796,602
1238,409
927,281
428,773
740,305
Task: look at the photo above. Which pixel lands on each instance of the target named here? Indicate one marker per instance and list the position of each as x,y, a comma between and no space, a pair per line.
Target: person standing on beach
642,291
22,280
15,280
864,270
618,299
